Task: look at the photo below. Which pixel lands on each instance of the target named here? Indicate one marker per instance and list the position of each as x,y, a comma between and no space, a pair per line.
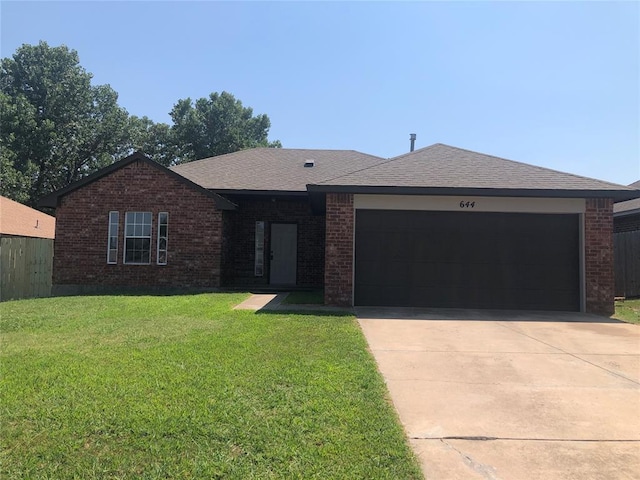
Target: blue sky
552,84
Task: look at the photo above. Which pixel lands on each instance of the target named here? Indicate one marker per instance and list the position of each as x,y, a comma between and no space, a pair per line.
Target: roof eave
624,213
616,195
239,191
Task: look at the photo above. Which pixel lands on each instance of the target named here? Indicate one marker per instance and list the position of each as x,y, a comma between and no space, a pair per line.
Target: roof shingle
22,221
273,169
630,206
443,166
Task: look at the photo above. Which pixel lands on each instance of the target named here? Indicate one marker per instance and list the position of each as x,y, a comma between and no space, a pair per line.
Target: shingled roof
273,169
19,220
445,169
630,206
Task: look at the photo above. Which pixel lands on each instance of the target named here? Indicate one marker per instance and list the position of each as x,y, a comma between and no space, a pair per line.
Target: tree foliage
56,126
217,125
155,140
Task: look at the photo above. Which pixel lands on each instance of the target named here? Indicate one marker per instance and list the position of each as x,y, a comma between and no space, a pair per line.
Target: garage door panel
475,260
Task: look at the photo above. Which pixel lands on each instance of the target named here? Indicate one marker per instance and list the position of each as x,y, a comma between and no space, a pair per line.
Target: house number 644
467,204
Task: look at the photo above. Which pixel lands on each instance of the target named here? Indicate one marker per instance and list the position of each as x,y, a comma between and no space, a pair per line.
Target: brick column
338,266
598,255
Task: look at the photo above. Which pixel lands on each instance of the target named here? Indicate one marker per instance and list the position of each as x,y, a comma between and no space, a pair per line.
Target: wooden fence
626,248
26,265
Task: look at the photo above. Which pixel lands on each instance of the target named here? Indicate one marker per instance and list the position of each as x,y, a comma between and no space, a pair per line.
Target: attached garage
450,228
467,259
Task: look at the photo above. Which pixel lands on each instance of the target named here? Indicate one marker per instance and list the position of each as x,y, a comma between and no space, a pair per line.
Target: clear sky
555,84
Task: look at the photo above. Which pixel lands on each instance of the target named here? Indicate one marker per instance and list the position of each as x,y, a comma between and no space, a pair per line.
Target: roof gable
22,221
273,169
440,167
51,200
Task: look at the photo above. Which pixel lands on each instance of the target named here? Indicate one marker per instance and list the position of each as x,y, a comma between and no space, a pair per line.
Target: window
259,262
112,239
137,238
163,227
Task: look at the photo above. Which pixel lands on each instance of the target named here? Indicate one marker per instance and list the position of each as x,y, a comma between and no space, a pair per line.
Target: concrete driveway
512,395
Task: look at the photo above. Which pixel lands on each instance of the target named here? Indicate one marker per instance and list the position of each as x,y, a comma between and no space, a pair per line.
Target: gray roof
438,169
630,206
442,166
273,169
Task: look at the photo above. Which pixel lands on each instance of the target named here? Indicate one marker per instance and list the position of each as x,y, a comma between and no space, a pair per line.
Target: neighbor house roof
273,169
629,207
446,170
51,200
22,221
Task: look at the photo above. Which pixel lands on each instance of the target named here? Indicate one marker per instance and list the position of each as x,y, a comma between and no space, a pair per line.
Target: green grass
125,387
315,297
628,310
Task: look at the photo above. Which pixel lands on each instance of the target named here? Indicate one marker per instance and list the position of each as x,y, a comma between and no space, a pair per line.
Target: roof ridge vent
309,163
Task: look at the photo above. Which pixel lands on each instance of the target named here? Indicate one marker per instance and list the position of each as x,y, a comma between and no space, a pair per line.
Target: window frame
126,237
111,235
165,237
258,264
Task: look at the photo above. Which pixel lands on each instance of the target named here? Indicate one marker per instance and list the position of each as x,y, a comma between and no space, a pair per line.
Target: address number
464,204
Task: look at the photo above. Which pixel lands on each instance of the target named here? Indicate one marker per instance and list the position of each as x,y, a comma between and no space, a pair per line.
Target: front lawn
127,387
314,297
628,310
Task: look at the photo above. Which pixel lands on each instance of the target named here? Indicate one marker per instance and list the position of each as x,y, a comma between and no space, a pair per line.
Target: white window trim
125,236
166,238
110,235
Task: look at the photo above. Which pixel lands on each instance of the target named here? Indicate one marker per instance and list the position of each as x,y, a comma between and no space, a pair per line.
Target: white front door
284,253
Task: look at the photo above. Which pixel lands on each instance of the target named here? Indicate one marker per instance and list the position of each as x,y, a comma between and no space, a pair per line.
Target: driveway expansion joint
502,324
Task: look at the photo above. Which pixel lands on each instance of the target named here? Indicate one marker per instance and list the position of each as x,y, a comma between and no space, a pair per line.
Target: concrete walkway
258,301
512,395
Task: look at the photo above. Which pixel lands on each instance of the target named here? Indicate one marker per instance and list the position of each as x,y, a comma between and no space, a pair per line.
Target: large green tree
217,125
55,126
155,140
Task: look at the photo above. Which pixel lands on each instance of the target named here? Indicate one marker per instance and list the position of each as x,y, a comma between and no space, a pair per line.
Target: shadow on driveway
409,313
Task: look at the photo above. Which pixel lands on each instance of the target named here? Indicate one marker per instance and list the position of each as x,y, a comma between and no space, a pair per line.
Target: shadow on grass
277,307
314,312
92,290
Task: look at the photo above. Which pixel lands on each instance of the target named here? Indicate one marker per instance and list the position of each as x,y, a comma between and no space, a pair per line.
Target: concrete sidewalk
512,395
259,301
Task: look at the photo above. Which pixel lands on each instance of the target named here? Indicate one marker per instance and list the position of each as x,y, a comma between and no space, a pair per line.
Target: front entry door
284,253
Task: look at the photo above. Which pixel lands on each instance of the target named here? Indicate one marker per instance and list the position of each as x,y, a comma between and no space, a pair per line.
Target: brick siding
239,240
598,240
82,218
338,275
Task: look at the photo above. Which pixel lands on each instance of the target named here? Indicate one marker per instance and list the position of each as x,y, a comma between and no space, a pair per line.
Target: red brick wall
239,240
338,274
194,235
598,240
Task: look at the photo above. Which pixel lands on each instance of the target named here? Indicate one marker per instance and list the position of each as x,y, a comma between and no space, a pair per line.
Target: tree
217,125
56,126
155,140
